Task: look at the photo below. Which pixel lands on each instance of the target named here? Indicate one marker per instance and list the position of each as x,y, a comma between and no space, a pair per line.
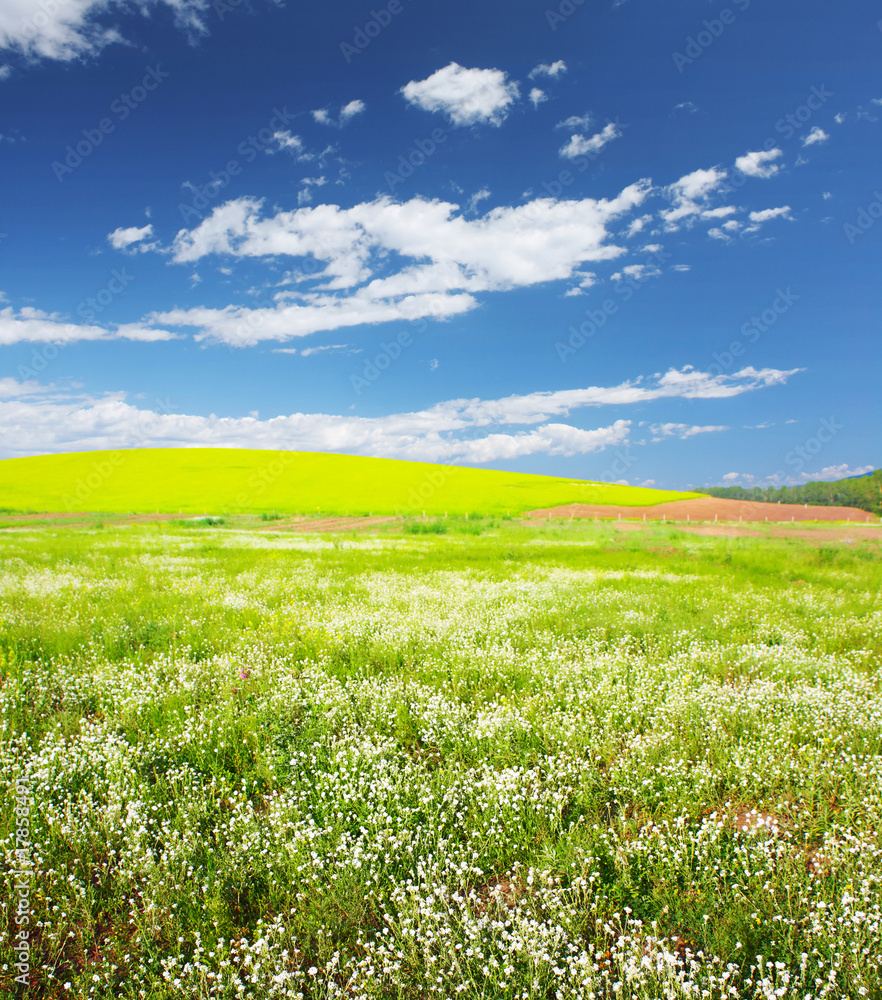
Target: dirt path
332,524
711,509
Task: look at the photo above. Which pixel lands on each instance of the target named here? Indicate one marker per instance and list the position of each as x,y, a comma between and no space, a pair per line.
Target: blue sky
633,241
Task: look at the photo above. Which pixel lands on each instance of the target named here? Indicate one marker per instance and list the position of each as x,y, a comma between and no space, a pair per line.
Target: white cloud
75,28
828,474
834,472
39,419
759,163
347,113
690,197
5,72
815,136
35,326
682,267
826,195
442,258
580,122
537,96
466,96
292,143
638,225
554,70
334,348
770,213
580,145
351,109
640,272
477,198
719,234
719,213
687,106
121,238
682,431
839,118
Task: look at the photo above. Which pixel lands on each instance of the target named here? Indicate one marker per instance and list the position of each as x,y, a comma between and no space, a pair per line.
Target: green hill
232,480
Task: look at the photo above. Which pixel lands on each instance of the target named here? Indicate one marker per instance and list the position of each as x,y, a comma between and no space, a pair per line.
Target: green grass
439,764
227,480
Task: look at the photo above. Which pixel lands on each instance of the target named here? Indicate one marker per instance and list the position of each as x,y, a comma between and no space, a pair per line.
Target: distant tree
863,492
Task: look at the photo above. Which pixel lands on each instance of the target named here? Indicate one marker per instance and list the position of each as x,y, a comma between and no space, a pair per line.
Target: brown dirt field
711,509
332,524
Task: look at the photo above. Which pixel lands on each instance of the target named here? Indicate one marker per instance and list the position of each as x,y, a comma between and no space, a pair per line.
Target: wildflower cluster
263,766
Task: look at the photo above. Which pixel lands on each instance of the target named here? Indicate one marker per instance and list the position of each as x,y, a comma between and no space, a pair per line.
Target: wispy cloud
39,419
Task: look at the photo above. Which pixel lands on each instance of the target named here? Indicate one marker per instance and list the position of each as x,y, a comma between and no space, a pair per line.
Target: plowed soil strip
711,509
333,524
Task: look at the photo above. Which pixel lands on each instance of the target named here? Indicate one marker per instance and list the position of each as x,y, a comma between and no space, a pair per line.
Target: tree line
864,492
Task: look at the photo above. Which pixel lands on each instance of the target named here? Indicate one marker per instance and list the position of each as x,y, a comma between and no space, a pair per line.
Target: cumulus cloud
465,96
40,419
690,197
121,238
580,145
537,96
554,70
759,163
815,136
442,259
77,28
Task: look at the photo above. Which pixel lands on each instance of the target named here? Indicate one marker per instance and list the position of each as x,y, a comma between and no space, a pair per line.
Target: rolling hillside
221,480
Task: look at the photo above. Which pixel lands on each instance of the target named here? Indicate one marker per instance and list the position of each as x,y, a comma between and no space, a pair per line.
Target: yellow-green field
235,480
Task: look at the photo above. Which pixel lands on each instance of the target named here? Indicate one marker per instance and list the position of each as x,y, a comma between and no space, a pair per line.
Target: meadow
498,760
